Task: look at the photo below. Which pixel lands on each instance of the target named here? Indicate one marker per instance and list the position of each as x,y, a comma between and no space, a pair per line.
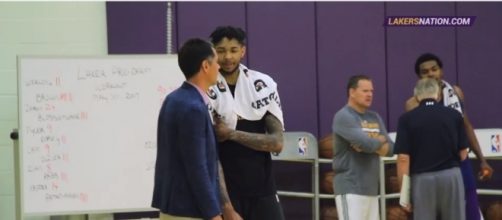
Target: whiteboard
88,128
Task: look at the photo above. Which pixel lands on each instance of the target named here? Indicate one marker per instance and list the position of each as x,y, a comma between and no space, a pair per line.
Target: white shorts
357,207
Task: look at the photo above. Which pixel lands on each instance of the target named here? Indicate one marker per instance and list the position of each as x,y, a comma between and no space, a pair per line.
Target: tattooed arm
272,141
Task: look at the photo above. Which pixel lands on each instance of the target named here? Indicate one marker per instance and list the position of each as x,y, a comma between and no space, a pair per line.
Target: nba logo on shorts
495,140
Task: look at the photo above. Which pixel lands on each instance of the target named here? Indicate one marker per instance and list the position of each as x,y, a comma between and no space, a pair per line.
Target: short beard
228,73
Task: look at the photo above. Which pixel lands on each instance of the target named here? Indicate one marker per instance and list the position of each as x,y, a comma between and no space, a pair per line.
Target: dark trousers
258,208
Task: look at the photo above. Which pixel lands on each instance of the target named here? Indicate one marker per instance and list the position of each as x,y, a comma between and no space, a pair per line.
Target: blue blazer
186,170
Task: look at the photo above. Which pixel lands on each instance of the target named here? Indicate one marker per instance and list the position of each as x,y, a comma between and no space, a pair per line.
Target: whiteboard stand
69,217
14,135
108,216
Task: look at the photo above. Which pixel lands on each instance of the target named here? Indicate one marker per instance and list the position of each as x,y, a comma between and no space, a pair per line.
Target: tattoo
223,187
272,141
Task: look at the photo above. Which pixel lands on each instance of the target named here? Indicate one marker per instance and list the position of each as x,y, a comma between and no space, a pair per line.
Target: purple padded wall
136,27
479,65
199,19
405,44
350,39
282,44
311,48
480,62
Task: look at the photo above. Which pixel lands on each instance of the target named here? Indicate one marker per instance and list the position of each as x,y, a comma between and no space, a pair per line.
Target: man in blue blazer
186,169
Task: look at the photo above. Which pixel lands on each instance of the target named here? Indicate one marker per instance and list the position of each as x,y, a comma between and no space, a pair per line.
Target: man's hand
383,150
218,217
221,129
486,171
407,208
357,148
381,138
230,214
463,154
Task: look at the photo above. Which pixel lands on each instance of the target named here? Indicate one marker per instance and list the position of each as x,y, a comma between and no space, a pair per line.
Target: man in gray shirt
360,139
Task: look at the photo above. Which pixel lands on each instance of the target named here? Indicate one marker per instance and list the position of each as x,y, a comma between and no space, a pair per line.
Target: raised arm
411,103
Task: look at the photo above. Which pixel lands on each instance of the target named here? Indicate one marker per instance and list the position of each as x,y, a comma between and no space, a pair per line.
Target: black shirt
432,135
247,172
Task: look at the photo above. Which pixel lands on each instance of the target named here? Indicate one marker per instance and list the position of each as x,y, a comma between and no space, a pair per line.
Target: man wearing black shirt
430,144
249,125
429,65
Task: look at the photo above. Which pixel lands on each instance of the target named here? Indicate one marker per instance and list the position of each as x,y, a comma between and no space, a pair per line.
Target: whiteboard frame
18,156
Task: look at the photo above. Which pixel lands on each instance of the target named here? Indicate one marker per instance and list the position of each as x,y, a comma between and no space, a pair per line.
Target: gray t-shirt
357,172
